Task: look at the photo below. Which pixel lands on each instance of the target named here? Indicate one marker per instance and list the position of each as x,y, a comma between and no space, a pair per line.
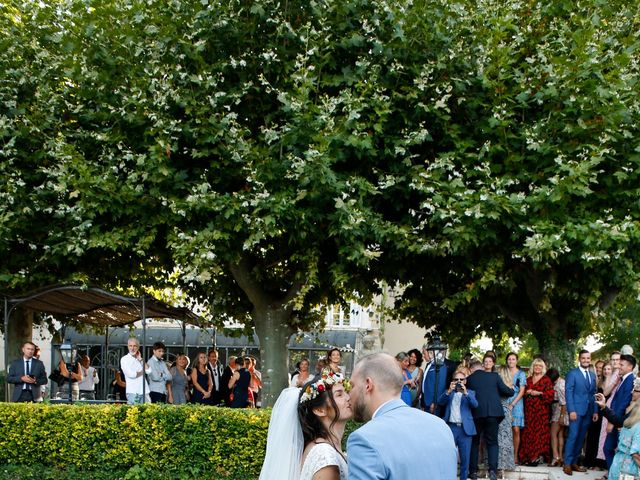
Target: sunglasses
459,379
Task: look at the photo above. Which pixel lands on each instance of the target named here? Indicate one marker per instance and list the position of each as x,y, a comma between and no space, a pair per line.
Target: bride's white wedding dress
320,456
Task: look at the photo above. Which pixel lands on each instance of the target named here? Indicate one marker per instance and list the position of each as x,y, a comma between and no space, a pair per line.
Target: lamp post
67,352
438,350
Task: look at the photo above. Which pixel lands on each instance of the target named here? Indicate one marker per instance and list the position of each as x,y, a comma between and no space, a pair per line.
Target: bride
306,429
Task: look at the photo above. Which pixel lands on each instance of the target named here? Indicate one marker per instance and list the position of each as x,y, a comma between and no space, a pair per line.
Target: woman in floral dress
536,435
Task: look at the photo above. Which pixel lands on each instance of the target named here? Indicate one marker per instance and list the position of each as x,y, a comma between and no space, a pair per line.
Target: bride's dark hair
312,427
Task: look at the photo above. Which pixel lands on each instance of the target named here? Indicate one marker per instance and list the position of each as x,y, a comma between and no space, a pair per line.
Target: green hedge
207,442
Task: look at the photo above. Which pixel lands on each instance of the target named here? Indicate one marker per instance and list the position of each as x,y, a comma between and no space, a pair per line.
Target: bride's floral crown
326,380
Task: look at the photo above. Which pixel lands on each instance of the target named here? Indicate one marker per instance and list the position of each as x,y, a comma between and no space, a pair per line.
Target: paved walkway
548,473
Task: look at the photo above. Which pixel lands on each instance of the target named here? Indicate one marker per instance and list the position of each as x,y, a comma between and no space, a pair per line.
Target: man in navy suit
459,401
27,374
487,416
580,390
380,450
619,403
432,387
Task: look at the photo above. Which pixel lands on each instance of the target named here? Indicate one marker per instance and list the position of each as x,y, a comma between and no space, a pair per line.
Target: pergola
94,306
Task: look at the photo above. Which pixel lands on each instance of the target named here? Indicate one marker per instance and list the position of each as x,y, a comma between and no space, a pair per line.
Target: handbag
57,377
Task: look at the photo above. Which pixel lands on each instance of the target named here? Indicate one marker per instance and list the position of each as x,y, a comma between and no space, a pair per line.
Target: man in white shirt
159,376
134,369
89,380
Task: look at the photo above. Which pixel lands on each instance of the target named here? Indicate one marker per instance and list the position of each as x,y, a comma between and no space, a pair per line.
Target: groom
398,442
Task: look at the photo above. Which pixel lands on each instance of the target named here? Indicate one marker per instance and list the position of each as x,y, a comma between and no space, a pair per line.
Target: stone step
543,472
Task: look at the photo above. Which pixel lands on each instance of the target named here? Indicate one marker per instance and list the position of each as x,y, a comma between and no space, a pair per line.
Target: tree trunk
20,331
271,318
273,333
558,352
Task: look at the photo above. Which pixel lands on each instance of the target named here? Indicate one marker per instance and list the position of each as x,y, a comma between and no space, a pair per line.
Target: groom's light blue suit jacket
402,443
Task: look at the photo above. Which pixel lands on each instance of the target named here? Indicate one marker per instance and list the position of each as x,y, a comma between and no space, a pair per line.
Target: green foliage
39,472
526,215
187,440
273,157
620,326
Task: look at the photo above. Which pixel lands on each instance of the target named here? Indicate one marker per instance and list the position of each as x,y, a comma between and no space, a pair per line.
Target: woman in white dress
306,429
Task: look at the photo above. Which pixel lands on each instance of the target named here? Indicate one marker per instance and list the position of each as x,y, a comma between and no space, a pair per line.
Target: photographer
459,401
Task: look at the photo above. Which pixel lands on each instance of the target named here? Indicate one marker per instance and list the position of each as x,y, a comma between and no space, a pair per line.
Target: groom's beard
360,411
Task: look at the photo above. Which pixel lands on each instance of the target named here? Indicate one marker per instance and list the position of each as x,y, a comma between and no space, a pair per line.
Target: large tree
526,209
239,145
279,155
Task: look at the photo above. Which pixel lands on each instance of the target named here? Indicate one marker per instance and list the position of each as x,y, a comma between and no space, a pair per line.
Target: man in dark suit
487,416
225,392
432,387
580,388
216,374
27,374
459,401
619,403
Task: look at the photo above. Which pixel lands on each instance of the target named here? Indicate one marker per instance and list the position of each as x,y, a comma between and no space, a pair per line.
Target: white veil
284,440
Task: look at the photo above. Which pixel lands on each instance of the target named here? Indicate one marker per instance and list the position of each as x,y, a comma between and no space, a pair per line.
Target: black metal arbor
94,306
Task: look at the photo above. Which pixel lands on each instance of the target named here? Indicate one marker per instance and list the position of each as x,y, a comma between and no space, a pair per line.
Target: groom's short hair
383,369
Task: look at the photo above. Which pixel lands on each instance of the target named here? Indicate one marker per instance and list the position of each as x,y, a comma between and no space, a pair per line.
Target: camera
458,386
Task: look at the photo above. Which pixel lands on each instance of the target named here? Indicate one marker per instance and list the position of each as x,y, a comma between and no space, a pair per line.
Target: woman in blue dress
515,402
405,394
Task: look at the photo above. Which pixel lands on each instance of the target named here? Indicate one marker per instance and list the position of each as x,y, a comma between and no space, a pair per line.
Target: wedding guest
255,385
239,384
536,436
134,369
216,375
321,364
87,386
506,459
620,401
559,417
433,384
179,385
489,387
201,380
76,376
516,404
405,393
224,380
613,379
415,362
593,432
334,357
303,376
607,374
159,376
627,456
118,385
27,374
459,402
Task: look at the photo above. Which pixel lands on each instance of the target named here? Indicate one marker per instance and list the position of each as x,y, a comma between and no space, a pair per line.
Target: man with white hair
397,442
134,369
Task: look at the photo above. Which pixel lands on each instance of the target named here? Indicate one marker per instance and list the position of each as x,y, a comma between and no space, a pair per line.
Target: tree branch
241,272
